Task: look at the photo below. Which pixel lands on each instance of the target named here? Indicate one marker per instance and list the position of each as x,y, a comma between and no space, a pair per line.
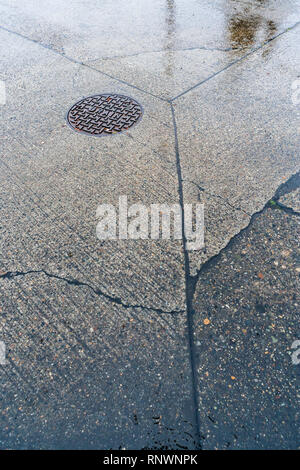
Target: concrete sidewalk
141,343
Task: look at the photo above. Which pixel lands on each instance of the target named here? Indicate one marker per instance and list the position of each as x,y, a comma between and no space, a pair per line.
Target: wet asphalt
143,344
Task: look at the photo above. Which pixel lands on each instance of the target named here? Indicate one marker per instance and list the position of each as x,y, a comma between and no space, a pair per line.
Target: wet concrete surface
106,342
245,322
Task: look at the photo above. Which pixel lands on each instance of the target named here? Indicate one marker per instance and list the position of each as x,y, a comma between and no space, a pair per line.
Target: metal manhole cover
106,114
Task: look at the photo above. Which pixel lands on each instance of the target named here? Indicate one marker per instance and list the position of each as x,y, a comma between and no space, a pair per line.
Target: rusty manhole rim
104,134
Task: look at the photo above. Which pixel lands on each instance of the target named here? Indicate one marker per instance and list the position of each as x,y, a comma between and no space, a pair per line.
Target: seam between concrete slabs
78,62
188,297
170,100
98,292
240,59
190,281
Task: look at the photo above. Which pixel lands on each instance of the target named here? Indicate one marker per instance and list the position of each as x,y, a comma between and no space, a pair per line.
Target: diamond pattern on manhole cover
104,114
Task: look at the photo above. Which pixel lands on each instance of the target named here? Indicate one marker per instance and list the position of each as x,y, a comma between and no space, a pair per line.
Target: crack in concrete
252,51
98,292
191,281
272,203
170,100
75,61
189,298
283,207
201,189
288,187
156,51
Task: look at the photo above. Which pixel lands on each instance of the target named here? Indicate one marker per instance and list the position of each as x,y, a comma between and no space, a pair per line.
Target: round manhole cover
106,114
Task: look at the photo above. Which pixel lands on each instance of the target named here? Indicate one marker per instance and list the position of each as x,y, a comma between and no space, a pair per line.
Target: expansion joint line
98,292
240,59
83,64
189,288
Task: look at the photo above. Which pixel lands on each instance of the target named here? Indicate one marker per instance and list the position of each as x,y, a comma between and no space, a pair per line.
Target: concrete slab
68,174
64,384
85,373
291,200
100,345
239,139
184,43
246,320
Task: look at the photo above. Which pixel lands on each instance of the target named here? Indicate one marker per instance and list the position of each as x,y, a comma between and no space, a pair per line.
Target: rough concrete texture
245,322
101,337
